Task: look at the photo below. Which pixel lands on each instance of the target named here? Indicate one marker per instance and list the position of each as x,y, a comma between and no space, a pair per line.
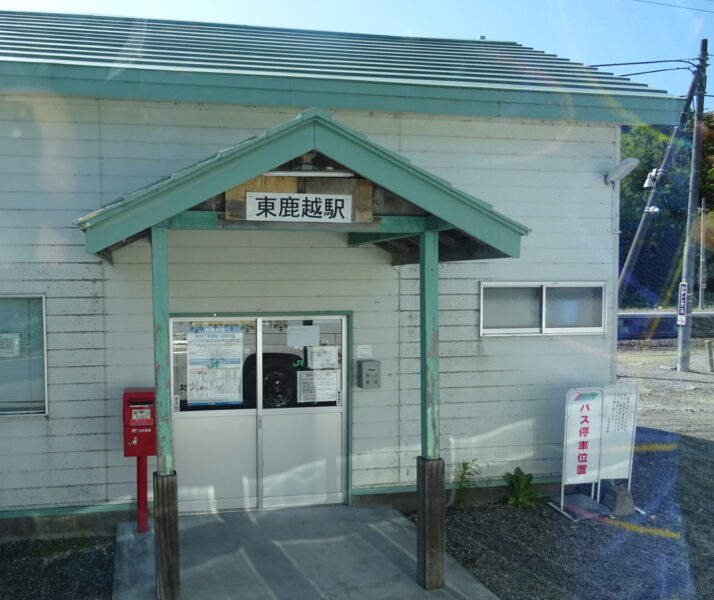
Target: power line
655,71
675,6
649,62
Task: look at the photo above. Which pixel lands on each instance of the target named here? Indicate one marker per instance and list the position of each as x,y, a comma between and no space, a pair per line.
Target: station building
328,254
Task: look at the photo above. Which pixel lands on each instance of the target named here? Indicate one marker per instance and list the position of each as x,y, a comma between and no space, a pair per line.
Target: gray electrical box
368,375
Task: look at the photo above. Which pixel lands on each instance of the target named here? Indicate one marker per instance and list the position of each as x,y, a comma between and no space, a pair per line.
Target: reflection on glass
511,307
301,363
216,367
22,355
573,307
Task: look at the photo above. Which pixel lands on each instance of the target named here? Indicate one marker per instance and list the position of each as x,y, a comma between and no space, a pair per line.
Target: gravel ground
533,554
61,569
665,553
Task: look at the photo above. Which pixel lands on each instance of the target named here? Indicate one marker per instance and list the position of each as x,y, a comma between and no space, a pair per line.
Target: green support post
166,545
429,342
430,468
162,357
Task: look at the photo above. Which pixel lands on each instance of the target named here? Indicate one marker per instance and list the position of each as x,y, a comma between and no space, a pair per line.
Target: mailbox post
140,441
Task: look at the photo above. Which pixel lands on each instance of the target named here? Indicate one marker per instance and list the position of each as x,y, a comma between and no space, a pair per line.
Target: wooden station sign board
329,200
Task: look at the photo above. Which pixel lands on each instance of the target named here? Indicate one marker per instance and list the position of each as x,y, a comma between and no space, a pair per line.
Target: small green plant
521,490
467,474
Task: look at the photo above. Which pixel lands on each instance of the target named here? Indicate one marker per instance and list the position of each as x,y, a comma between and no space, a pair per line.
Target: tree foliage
657,272
706,178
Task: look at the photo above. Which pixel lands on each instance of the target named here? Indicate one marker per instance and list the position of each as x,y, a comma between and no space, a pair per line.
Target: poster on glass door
317,386
215,363
323,357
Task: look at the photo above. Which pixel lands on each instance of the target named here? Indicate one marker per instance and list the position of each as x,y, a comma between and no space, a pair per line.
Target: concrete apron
326,552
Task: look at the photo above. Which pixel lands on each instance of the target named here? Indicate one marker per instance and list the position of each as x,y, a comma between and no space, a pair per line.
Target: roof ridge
132,57
153,20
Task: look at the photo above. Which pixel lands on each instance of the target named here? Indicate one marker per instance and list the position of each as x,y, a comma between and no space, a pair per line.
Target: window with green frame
23,381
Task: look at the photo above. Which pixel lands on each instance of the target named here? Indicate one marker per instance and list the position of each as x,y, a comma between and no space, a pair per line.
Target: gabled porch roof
475,229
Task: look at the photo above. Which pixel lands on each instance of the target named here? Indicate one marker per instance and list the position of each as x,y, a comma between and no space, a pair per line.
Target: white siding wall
60,158
251,272
47,178
502,397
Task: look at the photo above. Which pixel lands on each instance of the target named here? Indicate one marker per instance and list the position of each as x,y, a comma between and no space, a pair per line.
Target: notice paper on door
303,335
9,345
317,386
322,357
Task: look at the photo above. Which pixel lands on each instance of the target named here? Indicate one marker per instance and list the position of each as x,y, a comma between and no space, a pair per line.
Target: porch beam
362,239
394,228
211,220
194,219
463,250
382,229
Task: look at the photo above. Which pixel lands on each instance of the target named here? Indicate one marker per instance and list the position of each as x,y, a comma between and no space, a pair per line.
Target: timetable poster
215,363
618,431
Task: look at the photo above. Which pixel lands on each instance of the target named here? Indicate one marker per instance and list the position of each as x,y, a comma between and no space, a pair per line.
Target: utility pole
686,297
703,255
639,239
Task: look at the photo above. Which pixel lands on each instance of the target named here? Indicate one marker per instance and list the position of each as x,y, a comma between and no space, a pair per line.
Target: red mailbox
140,441
139,422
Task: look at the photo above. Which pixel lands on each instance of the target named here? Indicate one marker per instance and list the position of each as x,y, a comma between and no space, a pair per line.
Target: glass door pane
214,420
302,363
209,363
301,418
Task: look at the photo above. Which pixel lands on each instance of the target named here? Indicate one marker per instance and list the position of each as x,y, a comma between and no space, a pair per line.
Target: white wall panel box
369,374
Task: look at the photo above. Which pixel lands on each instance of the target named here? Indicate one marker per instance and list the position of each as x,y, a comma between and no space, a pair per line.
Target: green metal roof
125,57
495,235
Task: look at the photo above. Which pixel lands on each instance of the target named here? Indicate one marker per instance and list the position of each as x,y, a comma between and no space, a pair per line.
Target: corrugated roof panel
200,47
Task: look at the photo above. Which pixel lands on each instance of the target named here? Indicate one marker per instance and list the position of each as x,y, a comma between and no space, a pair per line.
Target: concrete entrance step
326,552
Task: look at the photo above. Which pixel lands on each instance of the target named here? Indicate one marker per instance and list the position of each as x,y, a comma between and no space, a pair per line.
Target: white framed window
528,308
23,355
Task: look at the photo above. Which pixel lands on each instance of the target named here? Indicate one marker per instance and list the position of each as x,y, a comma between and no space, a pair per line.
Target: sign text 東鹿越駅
298,208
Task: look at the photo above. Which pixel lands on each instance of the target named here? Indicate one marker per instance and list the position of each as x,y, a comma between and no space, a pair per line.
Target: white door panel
302,455
215,459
